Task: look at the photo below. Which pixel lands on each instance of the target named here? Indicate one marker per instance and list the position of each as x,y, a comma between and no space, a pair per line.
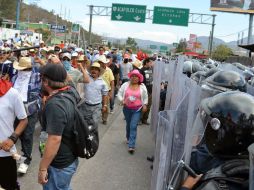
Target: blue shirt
94,90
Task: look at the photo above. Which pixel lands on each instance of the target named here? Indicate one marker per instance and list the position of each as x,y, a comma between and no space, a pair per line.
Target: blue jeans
26,138
112,101
132,118
60,179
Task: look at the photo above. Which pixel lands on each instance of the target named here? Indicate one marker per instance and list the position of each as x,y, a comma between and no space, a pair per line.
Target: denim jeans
132,118
60,179
26,138
112,101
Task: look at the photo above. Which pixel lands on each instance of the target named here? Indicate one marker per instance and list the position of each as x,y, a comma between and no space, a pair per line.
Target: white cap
74,54
68,55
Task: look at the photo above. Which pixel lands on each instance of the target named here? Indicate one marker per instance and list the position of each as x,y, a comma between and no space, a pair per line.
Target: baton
187,169
25,48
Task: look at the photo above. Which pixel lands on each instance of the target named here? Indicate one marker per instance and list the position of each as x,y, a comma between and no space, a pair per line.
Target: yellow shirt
108,77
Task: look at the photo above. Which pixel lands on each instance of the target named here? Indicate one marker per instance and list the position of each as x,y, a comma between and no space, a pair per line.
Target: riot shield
180,86
164,138
170,141
251,174
170,79
157,70
194,102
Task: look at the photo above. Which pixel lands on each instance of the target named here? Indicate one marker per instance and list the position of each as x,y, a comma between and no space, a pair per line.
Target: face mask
67,65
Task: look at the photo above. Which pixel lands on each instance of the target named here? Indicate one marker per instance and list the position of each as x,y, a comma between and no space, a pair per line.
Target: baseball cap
54,72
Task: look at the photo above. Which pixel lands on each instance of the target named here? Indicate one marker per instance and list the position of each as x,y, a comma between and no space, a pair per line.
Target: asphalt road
112,168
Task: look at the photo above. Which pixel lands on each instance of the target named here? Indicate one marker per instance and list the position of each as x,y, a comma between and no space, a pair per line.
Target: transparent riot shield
170,141
179,87
163,147
170,79
251,174
157,70
193,108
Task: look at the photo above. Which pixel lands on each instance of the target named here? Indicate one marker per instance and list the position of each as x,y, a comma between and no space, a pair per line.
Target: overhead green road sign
153,47
170,16
129,13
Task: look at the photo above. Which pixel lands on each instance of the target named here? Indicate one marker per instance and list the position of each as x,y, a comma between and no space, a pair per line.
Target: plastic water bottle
16,156
43,139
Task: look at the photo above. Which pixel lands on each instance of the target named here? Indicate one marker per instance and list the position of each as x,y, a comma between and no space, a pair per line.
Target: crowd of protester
37,72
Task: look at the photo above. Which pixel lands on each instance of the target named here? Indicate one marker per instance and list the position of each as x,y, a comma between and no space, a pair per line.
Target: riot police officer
226,121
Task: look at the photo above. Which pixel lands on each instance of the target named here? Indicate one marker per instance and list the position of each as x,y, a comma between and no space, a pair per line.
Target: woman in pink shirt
133,95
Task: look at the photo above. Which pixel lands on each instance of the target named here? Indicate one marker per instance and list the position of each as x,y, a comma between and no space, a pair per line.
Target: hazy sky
227,24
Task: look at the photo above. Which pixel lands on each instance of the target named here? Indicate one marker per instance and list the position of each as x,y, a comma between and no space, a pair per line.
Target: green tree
131,43
182,45
221,53
46,34
8,9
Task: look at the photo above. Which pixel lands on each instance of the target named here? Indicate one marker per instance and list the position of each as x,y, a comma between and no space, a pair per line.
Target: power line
222,36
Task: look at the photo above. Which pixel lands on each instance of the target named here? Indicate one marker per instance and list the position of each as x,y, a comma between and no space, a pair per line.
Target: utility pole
17,14
78,35
211,42
90,24
55,30
250,33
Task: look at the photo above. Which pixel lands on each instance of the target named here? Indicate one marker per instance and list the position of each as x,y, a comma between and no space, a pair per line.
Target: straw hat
97,65
103,59
137,64
24,63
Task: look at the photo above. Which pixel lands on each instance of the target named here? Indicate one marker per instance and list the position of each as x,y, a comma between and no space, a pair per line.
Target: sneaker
145,123
23,168
131,150
111,111
104,122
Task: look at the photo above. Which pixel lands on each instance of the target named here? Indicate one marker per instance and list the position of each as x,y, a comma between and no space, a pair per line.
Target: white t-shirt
11,107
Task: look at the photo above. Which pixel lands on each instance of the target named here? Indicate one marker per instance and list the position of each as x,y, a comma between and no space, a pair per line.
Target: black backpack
85,132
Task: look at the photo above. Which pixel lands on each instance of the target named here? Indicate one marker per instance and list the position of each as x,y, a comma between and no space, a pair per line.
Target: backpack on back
85,132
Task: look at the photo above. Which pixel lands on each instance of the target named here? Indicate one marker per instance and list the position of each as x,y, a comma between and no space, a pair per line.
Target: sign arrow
118,17
137,18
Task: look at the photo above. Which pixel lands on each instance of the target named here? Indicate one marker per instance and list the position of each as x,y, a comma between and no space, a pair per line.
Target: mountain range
204,40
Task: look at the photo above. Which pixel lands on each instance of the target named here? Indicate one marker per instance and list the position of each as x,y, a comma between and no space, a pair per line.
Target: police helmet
227,80
230,123
190,67
210,72
198,76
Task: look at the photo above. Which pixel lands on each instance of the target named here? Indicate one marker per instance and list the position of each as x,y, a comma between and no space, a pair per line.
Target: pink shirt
132,98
